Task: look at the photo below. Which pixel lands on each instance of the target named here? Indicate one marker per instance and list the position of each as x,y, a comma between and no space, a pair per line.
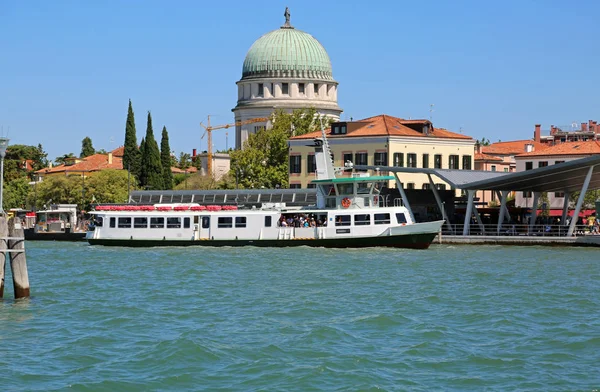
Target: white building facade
284,69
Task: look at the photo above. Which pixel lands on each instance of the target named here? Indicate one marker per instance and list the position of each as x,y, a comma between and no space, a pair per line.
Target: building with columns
284,69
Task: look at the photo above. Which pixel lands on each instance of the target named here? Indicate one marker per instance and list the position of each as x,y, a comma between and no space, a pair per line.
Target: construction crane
208,131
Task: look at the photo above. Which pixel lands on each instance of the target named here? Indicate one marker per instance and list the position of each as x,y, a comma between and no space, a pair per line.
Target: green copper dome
287,52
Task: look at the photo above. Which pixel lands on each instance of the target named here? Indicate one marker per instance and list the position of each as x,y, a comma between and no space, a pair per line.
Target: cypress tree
165,159
143,176
151,159
87,148
131,153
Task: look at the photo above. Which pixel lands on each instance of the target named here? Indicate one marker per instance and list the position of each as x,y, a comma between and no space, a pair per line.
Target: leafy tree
484,142
109,186
16,193
17,153
59,189
87,148
151,166
142,178
131,153
165,159
185,160
263,162
61,160
196,181
589,200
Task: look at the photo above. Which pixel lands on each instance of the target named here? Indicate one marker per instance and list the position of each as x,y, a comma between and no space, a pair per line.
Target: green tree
142,178
165,159
87,148
61,160
109,186
484,142
589,200
185,160
60,189
151,166
16,193
131,153
264,161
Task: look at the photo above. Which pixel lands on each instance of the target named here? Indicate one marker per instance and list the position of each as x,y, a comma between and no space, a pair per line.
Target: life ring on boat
346,202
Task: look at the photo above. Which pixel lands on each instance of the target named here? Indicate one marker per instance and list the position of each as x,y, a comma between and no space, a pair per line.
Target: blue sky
492,69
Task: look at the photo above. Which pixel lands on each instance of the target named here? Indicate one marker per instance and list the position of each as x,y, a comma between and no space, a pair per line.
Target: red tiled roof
569,148
513,147
118,152
94,162
384,125
485,157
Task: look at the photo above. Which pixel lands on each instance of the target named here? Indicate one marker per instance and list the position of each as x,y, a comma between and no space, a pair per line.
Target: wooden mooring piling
12,244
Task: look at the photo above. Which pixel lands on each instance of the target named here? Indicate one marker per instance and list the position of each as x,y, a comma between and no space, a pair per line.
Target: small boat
58,223
351,212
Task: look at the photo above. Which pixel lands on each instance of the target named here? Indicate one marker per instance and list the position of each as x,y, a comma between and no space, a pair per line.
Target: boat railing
507,229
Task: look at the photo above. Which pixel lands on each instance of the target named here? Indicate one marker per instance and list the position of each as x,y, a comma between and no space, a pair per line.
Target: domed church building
284,69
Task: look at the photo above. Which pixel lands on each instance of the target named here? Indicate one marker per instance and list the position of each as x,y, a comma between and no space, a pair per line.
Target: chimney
595,125
110,158
193,153
528,147
477,148
584,127
537,134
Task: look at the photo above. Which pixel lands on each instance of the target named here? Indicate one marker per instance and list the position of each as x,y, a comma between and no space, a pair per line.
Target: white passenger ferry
350,212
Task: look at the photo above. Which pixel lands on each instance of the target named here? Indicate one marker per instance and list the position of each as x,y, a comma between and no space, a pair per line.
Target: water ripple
451,318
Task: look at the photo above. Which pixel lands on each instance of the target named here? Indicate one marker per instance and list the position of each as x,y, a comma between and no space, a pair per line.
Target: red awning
558,212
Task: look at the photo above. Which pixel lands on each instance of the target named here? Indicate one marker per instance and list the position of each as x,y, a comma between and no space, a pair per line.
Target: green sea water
450,318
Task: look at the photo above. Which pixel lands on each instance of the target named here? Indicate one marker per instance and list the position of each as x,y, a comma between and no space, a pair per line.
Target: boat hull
31,235
412,241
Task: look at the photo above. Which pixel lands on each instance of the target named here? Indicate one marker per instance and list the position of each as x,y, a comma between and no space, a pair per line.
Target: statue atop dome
287,24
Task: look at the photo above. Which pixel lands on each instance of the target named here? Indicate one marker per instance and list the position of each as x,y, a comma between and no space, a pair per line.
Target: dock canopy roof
562,177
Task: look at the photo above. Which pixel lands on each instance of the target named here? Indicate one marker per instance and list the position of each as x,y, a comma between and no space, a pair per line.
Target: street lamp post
3,145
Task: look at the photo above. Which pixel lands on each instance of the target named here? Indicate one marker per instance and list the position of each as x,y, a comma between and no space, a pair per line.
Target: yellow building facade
385,141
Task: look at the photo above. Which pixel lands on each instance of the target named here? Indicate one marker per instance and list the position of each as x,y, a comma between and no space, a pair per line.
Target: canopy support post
467,225
565,210
533,217
503,210
584,188
479,221
438,199
403,195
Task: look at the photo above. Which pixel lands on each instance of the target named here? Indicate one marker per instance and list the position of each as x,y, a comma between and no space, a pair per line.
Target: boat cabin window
362,219
157,223
330,190
401,217
205,222
140,223
98,221
113,222
173,223
346,189
125,223
268,221
342,220
186,223
225,222
240,221
382,219
364,188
